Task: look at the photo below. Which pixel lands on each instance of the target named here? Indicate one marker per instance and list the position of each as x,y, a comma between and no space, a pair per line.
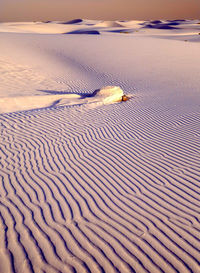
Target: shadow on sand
157,24
84,31
75,21
83,95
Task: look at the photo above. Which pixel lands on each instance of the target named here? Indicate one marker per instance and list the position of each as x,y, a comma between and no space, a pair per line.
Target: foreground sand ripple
109,189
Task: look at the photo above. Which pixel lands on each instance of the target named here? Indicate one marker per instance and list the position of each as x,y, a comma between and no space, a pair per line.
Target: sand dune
88,185
108,24
83,26
75,21
106,95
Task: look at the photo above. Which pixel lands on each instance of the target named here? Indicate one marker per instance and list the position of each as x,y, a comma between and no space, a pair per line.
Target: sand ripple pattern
110,189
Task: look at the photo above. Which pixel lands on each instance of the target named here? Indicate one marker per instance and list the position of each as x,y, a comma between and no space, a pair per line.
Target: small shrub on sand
125,98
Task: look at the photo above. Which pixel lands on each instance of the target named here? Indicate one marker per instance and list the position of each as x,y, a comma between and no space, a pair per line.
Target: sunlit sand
100,146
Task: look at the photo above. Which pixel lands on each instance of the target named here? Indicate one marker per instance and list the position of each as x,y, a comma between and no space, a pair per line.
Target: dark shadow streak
83,95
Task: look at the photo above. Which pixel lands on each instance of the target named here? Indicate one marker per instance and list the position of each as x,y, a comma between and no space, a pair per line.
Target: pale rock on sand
109,94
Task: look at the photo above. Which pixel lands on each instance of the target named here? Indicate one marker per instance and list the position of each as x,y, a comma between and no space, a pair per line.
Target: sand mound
108,24
109,94
38,27
75,21
106,95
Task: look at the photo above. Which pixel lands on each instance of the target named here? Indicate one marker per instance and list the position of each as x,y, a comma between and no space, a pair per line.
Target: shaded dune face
161,26
75,21
82,31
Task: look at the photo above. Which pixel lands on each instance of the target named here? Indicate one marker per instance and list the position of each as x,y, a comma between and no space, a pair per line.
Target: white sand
87,184
105,95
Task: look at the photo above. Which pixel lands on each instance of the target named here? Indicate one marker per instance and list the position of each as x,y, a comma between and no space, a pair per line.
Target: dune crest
108,24
105,95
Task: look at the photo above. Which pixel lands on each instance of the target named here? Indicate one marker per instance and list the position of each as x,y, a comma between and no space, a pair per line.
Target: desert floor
89,183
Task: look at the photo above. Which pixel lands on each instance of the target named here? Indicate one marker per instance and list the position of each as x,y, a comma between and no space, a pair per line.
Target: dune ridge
105,95
173,28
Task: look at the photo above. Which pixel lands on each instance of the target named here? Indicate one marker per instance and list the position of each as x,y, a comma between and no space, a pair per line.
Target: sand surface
88,183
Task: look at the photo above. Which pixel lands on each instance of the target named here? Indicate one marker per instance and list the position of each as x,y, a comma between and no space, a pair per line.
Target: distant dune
108,24
100,147
75,21
185,29
84,31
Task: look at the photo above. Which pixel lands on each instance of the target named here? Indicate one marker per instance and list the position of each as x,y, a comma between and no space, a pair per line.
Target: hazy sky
29,10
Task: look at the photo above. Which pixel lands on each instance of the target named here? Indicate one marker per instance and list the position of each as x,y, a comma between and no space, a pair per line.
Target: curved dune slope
74,21
105,95
108,24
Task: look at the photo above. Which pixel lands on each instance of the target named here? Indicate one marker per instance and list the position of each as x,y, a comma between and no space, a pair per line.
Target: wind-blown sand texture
88,185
